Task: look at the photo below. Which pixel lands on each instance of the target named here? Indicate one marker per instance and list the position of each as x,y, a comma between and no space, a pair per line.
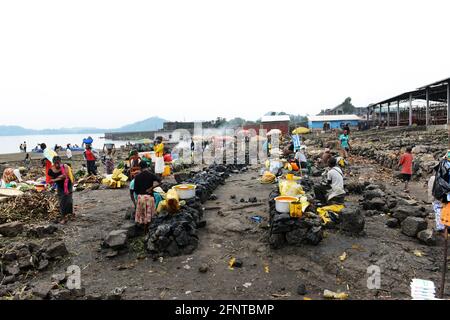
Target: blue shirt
344,140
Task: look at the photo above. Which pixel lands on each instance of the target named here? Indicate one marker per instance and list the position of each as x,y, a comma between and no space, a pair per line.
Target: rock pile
293,231
404,213
385,149
352,221
209,179
19,258
176,234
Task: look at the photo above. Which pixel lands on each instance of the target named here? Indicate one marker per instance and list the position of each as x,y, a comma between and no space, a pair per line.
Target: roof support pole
368,113
448,103
410,109
373,116
427,108
448,111
388,114
379,118
398,113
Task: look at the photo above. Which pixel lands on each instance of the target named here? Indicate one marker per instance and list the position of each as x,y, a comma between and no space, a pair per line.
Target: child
406,162
27,161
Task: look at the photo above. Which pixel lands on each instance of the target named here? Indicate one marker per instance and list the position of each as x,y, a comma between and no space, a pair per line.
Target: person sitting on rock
332,190
300,158
335,178
323,161
10,176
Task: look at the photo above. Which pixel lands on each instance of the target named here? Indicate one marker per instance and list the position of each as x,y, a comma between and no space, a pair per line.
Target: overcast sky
108,63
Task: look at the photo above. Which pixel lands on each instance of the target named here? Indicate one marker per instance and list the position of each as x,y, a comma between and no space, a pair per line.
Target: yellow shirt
159,149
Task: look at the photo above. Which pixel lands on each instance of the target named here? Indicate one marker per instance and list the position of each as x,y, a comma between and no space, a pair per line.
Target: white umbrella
274,131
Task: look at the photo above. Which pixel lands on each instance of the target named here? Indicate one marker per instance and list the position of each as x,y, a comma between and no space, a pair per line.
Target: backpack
441,187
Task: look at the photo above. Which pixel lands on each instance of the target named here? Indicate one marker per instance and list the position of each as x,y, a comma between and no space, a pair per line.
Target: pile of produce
28,207
90,182
115,181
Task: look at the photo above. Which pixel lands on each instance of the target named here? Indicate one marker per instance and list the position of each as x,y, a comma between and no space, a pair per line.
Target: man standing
406,162
69,153
347,128
25,146
90,158
192,149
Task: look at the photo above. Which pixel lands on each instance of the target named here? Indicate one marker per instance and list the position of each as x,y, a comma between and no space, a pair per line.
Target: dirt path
231,233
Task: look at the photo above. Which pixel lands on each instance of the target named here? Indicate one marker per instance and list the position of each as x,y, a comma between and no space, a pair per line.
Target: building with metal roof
275,118
426,105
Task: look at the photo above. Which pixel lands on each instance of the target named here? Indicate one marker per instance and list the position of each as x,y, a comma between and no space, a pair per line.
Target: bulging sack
159,165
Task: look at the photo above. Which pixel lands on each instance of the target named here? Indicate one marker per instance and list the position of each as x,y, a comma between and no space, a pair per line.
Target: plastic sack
323,211
159,165
171,203
294,166
290,188
268,177
275,166
167,171
295,209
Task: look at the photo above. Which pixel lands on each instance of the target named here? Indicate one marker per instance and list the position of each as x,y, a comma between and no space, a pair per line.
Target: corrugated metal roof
419,93
340,117
275,118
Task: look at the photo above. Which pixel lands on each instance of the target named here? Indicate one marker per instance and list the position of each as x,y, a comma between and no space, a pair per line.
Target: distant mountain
150,124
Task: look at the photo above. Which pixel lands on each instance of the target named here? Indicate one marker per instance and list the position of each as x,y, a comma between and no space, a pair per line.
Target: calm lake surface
10,144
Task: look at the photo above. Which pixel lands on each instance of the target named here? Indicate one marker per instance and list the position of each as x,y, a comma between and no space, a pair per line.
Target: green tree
220,122
347,106
236,122
297,119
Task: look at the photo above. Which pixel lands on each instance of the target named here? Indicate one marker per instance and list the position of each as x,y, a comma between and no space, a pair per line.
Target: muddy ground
266,273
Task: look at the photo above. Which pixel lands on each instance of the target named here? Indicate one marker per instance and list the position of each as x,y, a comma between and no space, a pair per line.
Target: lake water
10,144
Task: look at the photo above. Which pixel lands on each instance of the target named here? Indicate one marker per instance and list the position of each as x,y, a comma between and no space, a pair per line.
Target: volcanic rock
411,226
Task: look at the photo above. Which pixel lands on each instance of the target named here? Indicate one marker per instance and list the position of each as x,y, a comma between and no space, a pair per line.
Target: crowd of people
145,173
23,147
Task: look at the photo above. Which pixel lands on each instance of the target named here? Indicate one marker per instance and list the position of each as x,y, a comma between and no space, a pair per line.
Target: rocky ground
397,237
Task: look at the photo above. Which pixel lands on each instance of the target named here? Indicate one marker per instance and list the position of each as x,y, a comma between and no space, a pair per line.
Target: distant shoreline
20,156
50,134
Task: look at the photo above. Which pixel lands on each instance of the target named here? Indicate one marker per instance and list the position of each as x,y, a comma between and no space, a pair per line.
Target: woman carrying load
49,154
159,153
135,160
61,174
